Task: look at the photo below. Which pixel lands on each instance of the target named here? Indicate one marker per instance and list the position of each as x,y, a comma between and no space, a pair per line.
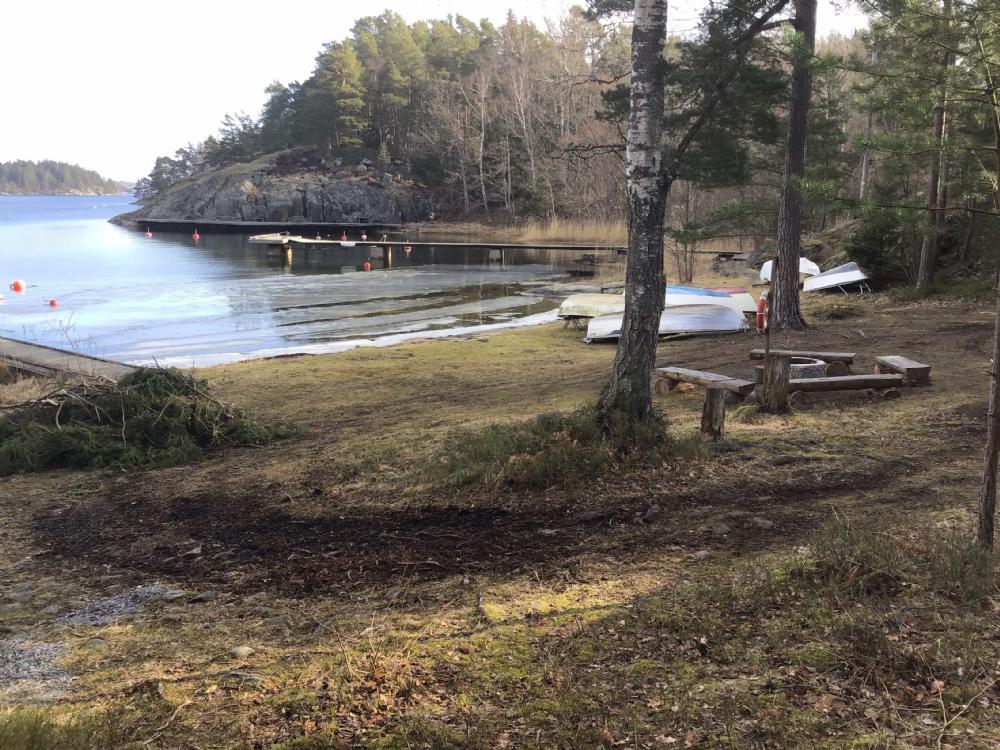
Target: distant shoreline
78,193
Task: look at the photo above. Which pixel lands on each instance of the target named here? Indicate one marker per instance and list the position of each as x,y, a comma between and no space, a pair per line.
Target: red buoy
18,285
407,249
317,236
195,236
148,233
367,266
53,302
343,236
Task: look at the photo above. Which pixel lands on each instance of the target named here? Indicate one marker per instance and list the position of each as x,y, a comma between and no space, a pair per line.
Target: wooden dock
51,362
245,227
298,241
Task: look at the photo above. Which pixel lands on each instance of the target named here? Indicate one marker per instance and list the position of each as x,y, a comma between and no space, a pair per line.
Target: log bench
669,377
914,373
846,357
845,383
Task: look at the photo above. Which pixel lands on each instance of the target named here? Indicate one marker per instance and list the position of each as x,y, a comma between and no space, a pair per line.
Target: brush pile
151,417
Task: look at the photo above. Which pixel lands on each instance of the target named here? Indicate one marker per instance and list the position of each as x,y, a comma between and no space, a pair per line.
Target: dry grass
21,390
582,231
579,616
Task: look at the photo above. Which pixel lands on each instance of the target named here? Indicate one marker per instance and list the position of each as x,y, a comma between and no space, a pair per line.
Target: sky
111,85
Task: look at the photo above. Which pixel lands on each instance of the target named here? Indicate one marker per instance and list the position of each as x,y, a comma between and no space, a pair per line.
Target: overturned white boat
680,319
596,305
806,267
835,278
592,305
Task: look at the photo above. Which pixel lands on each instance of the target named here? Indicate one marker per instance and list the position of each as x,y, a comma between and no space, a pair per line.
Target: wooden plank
845,383
49,361
707,379
913,371
845,357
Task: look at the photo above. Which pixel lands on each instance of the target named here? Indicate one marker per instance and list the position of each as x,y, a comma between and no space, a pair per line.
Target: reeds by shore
583,231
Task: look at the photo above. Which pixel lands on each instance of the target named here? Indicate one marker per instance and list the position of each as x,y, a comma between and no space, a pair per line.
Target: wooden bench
913,372
845,383
671,376
846,357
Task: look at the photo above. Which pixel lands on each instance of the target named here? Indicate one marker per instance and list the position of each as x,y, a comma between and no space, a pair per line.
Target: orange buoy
407,249
53,302
18,285
367,266
195,236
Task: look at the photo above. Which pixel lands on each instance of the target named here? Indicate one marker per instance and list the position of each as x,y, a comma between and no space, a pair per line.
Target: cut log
774,391
845,357
914,372
837,369
662,387
846,383
707,379
713,414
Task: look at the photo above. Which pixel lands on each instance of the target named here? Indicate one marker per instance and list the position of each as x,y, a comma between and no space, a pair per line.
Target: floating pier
246,227
48,361
282,239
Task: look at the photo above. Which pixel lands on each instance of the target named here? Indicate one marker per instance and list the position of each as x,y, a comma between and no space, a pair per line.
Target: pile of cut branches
151,417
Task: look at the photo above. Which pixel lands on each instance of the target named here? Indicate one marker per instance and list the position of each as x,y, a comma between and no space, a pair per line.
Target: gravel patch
107,611
29,670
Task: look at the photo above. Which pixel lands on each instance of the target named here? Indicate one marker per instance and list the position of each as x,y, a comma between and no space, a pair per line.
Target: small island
54,178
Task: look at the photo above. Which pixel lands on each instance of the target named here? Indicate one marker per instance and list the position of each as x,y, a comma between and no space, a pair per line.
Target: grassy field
805,583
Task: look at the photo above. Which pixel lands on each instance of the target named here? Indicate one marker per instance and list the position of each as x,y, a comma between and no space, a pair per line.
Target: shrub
961,570
151,417
549,449
882,244
858,559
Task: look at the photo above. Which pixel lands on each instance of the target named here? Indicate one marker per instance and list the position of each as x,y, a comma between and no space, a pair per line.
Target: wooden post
713,414
774,391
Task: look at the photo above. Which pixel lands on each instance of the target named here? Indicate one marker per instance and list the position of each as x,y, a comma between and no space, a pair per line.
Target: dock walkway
299,241
52,362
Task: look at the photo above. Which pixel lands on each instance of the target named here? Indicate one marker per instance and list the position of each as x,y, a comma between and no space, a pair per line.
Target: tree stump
837,369
774,391
713,414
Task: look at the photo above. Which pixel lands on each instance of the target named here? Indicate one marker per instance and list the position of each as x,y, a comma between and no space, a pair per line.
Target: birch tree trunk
784,298
628,395
929,245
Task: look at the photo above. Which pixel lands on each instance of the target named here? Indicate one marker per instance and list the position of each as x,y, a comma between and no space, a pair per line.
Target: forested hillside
511,121
52,178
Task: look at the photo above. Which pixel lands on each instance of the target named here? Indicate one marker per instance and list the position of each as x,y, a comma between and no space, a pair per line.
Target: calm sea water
172,300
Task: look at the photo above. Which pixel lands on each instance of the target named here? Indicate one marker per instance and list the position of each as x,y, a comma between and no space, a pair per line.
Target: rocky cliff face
262,192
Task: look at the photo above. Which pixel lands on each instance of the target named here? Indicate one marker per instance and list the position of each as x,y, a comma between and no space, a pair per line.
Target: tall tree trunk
866,158
929,245
784,298
628,394
988,488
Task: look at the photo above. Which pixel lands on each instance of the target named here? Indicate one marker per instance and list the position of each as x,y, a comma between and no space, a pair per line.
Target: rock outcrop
264,193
